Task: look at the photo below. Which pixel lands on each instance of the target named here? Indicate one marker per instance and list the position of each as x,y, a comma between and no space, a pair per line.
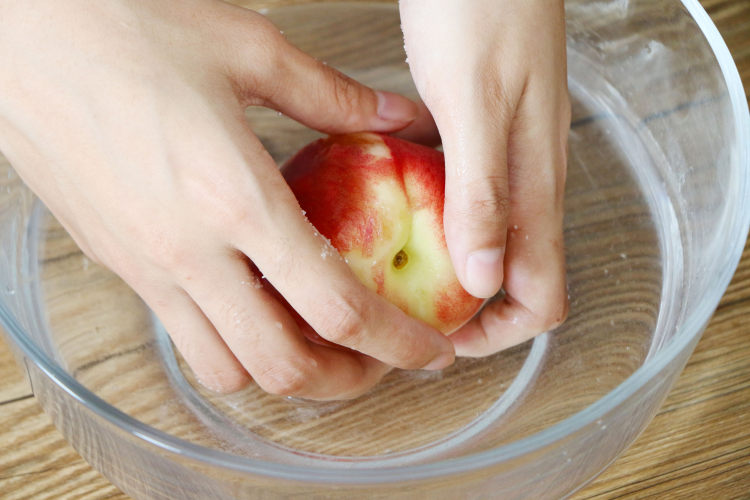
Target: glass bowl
657,212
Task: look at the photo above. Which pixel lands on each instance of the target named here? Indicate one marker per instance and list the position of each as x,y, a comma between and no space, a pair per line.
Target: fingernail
484,272
395,108
441,361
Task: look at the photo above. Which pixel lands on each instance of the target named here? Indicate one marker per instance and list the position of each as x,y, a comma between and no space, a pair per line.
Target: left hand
493,74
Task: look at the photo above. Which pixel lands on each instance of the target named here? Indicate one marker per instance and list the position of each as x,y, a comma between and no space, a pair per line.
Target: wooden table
697,445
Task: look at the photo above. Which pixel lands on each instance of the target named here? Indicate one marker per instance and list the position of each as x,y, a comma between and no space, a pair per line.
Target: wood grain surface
698,445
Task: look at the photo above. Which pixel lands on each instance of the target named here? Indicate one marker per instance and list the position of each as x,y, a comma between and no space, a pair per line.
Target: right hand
493,74
127,120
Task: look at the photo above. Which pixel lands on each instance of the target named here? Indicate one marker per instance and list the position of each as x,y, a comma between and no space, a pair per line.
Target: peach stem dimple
400,260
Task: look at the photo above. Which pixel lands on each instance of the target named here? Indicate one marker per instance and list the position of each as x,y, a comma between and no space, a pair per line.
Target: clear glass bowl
657,211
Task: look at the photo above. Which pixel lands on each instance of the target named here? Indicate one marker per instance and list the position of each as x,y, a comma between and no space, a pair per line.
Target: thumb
320,96
477,199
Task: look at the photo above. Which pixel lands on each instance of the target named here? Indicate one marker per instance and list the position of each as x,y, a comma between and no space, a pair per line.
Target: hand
127,119
493,75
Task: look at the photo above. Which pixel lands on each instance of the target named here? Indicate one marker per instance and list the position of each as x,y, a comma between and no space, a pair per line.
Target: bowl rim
694,325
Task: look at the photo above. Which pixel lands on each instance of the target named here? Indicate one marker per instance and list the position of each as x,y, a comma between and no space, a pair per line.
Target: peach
379,200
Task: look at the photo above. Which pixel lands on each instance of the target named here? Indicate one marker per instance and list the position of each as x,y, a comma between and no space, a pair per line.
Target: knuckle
272,63
346,96
224,206
157,248
166,251
490,207
501,94
256,72
343,320
168,254
412,355
229,213
264,28
236,317
486,205
283,378
223,381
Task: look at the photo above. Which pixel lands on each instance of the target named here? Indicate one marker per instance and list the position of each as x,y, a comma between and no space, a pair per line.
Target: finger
536,294
320,286
474,127
266,340
325,99
316,94
212,362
